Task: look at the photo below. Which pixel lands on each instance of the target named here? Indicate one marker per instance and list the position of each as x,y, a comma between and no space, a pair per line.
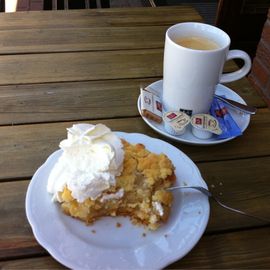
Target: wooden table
61,67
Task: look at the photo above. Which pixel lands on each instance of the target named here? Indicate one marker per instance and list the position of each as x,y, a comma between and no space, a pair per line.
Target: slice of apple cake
100,175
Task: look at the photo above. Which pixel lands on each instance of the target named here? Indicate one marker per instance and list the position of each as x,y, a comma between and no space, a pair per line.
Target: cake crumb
118,225
166,235
144,235
212,186
220,183
93,231
220,193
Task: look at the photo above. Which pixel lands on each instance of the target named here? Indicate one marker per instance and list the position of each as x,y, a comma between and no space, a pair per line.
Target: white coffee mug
190,75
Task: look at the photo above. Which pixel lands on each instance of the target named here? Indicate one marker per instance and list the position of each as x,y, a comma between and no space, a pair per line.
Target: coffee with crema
197,43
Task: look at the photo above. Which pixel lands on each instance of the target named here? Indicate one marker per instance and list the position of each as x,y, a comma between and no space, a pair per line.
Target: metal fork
210,195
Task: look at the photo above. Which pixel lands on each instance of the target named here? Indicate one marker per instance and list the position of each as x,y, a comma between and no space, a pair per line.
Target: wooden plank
27,146
239,184
220,251
84,100
106,17
32,263
236,250
59,67
81,39
243,186
69,101
80,66
16,234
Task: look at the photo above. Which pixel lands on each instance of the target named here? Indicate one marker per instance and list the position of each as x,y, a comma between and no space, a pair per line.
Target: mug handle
236,75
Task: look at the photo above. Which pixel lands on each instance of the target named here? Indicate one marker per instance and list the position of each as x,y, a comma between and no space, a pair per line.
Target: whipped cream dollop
92,157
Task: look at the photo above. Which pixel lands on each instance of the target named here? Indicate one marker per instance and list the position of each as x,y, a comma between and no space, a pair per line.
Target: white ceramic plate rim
188,137
189,218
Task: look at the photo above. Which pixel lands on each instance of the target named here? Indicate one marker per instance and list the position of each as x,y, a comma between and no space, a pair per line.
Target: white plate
241,119
104,245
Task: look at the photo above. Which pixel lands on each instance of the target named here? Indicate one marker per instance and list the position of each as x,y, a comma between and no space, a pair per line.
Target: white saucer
241,119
